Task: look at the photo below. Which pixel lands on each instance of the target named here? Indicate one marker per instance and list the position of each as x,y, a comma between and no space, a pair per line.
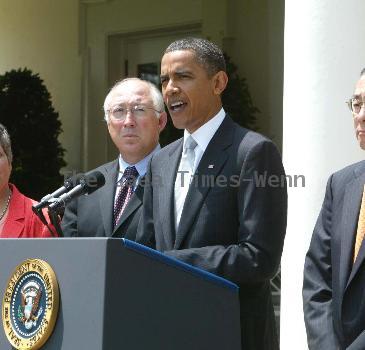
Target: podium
118,295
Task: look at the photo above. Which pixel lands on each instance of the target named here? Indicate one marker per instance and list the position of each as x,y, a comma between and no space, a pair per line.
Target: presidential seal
30,305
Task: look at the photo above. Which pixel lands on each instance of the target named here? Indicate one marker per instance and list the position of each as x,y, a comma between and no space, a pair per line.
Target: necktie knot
129,176
190,144
188,155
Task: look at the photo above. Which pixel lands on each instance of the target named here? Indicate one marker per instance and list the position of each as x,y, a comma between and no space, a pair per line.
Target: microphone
88,184
67,186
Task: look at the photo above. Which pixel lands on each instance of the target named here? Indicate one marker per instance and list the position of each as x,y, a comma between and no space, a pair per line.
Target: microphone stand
37,210
88,183
53,216
55,221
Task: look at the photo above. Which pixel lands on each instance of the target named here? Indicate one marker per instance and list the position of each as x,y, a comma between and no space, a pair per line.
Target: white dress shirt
202,136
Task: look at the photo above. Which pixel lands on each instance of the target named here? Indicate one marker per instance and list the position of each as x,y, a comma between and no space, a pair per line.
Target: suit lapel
167,174
209,167
106,198
133,204
355,191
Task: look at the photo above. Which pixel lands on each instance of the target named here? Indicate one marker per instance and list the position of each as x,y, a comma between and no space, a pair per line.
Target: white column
324,52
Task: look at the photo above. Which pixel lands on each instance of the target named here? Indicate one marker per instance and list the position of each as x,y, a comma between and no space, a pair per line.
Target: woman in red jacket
17,219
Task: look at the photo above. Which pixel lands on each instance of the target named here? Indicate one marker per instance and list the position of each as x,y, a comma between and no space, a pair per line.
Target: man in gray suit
216,198
334,272
135,116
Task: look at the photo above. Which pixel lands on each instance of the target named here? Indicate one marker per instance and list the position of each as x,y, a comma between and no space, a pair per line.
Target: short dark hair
362,72
208,55
5,142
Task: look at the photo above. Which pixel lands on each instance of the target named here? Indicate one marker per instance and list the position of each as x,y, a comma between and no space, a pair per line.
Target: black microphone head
68,185
72,181
92,181
88,183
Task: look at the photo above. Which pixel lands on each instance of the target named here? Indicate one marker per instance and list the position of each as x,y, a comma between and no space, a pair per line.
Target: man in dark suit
334,272
135,116
204,203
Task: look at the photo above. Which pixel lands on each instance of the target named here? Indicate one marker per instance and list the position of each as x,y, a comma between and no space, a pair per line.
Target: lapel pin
211,166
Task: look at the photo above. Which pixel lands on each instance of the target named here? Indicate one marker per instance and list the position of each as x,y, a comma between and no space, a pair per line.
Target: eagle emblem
29,310
30,305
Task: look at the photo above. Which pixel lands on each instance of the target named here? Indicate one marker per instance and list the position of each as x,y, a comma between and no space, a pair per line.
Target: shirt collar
205,133
141,166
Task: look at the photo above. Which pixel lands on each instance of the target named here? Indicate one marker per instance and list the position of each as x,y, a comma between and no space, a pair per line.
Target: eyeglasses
120,113
355,105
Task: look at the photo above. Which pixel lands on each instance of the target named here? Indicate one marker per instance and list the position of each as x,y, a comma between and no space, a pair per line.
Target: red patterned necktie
125,192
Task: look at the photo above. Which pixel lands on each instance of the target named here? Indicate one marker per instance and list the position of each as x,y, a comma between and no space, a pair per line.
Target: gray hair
5,142
156,96
208,55
362,72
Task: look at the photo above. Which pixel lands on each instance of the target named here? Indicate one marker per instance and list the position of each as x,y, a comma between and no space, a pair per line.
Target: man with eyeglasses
334,272
135,116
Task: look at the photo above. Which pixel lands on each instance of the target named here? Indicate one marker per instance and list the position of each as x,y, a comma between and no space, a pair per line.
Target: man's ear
162,120
220,81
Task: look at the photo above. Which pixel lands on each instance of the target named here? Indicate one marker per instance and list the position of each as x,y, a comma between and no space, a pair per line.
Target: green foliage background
236,98
33,124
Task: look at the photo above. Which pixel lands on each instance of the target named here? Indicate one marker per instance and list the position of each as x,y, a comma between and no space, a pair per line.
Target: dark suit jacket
334,287
233,227
92,215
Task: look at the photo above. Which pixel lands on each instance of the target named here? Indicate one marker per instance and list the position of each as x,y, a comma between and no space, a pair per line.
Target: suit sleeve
69,220
317,285
146,229
261,211
358,343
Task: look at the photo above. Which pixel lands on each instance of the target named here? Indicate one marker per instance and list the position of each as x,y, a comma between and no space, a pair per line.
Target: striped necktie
126,188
